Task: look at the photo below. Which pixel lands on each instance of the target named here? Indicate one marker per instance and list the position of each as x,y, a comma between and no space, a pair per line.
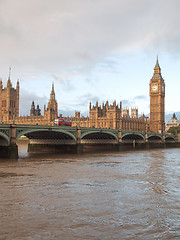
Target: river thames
129,195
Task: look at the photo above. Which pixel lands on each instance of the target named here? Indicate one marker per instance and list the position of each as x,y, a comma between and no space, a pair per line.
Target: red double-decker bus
62,122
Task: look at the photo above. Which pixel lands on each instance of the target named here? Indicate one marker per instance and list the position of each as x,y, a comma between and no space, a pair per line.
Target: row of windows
12,103
3,103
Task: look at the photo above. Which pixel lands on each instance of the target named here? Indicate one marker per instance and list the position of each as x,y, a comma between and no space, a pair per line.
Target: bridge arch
155,138
170,139
45,133
4,140
133,136
99,137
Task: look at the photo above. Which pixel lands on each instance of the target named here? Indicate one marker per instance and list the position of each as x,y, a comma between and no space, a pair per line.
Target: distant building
9,107
173,122
157,101
111,116
105,116
35,111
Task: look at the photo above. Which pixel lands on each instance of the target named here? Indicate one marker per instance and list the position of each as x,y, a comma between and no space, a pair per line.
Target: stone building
9,107
9,101
111,116
35,111
104,116
157,101
173,122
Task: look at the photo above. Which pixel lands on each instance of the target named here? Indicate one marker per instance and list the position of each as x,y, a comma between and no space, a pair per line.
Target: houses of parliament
104,116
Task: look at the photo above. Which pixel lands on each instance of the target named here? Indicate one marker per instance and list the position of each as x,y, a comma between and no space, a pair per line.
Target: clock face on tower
154,87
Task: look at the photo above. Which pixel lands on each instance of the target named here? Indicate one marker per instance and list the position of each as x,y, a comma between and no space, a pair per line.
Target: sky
93,50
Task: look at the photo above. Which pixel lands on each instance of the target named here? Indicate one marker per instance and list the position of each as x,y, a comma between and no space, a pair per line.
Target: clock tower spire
157,100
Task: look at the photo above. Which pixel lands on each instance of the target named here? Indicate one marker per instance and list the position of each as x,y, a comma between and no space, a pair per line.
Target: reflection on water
130,195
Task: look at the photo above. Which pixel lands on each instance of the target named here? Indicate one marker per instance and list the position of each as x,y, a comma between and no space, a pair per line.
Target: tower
9,101
32,111
51,112
134,113
157,101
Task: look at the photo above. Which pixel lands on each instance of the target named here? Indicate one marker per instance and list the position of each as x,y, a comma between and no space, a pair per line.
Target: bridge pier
13,148
13,151
9,152
79,148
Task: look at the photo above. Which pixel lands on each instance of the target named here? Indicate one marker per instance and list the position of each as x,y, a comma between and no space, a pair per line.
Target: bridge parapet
66,135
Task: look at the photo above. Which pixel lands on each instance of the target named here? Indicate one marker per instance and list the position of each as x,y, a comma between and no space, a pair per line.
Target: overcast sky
93,50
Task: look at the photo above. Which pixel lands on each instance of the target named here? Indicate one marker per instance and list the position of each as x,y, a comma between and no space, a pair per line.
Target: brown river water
129,195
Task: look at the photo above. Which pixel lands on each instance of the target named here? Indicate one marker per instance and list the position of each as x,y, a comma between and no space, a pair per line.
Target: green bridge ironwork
64,135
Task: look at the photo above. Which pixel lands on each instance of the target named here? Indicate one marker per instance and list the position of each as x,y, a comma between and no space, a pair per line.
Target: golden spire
52,92
157,68
9,84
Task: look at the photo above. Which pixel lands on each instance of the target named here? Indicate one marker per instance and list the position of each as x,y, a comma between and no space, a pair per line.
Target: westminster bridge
75,139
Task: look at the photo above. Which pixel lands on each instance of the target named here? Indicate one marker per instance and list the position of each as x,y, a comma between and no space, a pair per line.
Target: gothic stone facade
111,116
157,101
105,116
9,102
9,108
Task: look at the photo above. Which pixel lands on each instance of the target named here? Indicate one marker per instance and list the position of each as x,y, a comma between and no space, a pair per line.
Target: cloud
77,39
26,99
141,97
50,35
65,82
126,103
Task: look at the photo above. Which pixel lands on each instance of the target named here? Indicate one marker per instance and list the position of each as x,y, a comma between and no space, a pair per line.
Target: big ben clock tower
157,97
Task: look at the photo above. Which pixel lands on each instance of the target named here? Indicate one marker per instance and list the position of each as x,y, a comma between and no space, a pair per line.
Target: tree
174,130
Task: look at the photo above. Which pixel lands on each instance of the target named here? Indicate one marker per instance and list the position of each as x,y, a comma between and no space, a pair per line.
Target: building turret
125,113
157,68
32,111
38,111
1,85
17,98
52,109
9,84
9,102
52,96
114,104
120,106
134,113
17,85
107,104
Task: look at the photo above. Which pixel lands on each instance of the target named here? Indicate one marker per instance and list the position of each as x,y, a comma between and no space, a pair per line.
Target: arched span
46,134
4,136
155,137
170,138
99,135
133,136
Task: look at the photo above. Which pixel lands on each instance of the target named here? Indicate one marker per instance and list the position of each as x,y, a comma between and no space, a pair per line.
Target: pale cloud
141,97
52,34
63,81
72,39
26,99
